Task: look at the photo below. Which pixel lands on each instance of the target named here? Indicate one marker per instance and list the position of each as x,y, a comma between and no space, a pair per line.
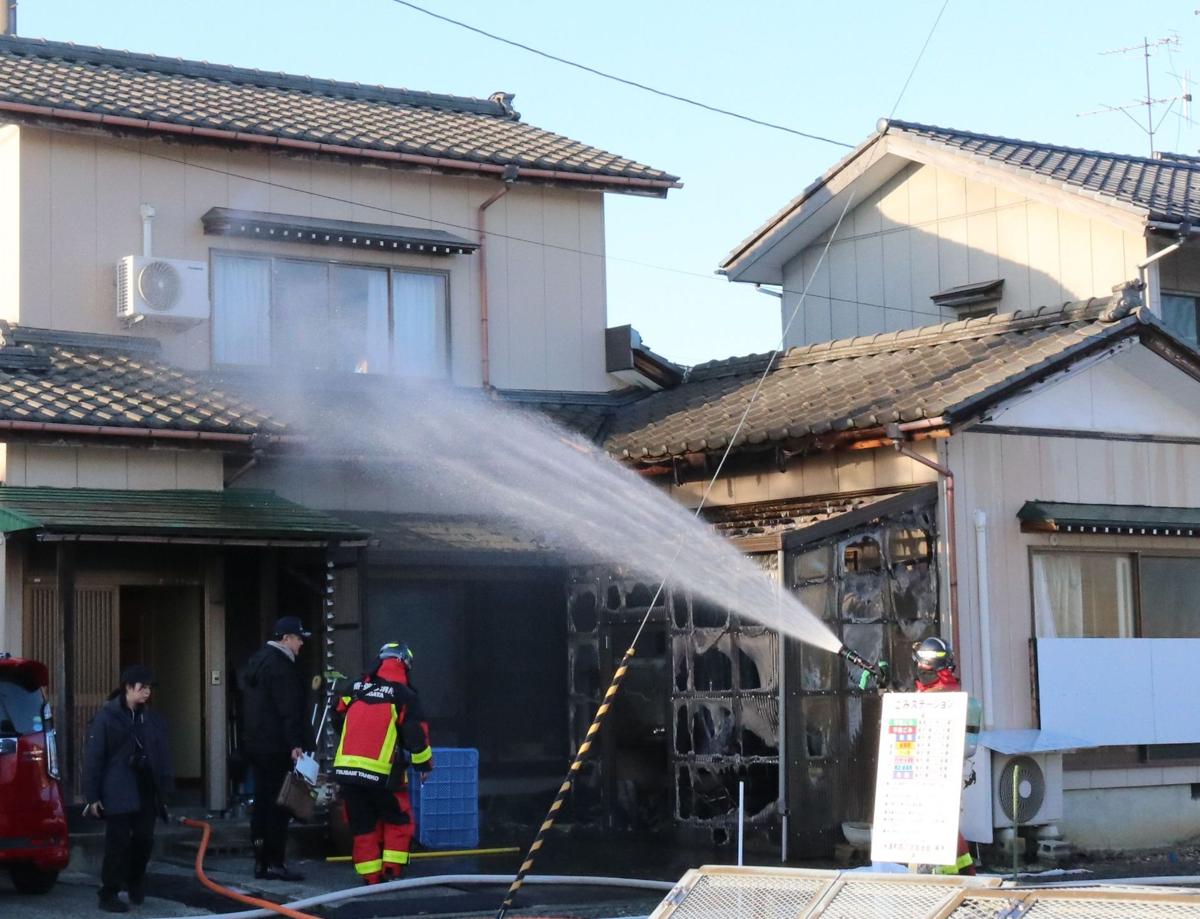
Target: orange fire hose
225,891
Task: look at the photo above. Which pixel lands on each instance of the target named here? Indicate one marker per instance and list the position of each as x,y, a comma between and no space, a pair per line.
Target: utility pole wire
920,54
617,79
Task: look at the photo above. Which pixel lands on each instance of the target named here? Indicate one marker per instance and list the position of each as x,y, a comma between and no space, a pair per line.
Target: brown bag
297,796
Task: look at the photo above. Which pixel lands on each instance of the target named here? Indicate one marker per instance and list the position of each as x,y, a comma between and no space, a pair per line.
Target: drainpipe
509,176
898,436
147,211
985,613
8,17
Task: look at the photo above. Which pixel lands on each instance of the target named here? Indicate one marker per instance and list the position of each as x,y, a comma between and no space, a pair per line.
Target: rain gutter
55,427
308,146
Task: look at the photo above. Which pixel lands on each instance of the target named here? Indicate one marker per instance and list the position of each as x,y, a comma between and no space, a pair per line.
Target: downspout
485,361
897,434
985,614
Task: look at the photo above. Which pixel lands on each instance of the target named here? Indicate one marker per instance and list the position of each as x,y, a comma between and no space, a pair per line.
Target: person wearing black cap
126,776
276,733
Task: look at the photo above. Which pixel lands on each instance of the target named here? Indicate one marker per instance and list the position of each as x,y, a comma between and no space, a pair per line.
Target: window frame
214,253
1131,756
1194,297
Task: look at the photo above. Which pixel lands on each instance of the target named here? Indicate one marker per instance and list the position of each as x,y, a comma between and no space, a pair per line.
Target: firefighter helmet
932,654
398,650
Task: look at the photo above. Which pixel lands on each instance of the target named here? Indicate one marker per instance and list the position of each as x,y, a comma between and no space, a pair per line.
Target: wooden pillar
64,582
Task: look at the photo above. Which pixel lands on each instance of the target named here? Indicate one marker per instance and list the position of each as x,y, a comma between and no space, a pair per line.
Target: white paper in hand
307,768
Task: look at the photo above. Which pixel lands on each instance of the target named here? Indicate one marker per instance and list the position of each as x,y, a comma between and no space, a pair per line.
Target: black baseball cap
290,625
137,673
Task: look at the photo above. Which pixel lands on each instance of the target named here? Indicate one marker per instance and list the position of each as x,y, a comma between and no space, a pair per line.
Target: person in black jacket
276,733
126,775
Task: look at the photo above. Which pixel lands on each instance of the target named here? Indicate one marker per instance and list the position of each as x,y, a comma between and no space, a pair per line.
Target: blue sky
1019,68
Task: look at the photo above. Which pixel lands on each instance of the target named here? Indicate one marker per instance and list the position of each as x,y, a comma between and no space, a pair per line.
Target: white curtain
241,310
419,321
1083,595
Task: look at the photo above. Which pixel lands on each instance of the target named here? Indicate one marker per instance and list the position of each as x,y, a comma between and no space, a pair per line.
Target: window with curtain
1083,595
1116,595
317,315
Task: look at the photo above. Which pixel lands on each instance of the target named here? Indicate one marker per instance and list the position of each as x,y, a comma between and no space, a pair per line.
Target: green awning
1124,519
235,516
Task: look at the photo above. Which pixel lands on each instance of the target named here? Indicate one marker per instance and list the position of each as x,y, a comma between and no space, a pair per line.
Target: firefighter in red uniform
935,673
384,732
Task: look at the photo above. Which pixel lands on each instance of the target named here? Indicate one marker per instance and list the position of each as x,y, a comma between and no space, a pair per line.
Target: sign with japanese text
920,777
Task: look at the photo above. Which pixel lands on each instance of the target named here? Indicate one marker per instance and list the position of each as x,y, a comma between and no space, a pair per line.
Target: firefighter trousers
382,825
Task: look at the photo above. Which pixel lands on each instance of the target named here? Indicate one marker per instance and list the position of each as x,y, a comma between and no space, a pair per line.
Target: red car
33,825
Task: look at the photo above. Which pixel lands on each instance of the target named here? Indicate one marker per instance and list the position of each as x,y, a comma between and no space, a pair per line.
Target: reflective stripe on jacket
382,713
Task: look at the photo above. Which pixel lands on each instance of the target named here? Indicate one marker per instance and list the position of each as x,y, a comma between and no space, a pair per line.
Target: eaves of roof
63,84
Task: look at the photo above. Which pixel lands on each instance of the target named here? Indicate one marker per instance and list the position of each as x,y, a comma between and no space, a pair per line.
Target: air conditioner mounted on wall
1039,789
165,290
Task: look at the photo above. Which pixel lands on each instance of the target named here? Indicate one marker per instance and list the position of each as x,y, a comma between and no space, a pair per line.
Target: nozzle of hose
869,668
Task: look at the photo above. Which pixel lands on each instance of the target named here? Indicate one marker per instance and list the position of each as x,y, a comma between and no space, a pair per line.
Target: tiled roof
115,383
161,95
232,514
1167,188
855,385
583,412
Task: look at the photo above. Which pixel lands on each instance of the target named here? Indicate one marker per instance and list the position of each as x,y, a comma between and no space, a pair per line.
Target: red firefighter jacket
946,682
383,722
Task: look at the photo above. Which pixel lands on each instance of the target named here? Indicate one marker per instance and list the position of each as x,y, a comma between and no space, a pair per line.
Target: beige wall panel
36,249
893,200
10,222
56,467
899,320
72,266
871,320
526,292
1045,286
818,322
371,192
816,279
952,253
1012,252
249,188
412,199
843,285
1059,467
923,269
333,191
1096,482
151,469
855,471
922,198
868,260
983,264
865,218
1075,256
566,360
199,471
952,194
163,180
1108,258
291,180
14,464
981,197
101,467
845,319
897,271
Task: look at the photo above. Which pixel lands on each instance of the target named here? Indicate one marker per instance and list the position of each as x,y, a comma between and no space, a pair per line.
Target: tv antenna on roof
1148,102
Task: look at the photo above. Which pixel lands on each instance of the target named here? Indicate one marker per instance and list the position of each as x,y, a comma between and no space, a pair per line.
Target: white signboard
920,777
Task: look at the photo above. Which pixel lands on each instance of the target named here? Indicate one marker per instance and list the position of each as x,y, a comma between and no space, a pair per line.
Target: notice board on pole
919,782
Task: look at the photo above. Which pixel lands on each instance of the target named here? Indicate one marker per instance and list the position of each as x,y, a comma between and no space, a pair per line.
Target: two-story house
186,247
970,433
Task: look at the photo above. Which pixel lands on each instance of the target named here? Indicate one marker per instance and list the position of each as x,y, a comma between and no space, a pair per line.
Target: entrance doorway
162,627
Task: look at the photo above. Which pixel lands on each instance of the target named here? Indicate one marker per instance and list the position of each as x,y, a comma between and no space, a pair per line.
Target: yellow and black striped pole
584,747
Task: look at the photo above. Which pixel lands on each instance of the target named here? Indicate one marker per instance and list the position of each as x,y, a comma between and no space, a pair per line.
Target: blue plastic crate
446,807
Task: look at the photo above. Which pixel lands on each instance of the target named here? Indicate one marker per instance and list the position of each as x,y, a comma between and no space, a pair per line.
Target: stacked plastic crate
446,805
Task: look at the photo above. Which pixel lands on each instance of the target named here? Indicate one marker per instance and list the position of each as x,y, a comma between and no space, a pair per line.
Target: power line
618,79
920,54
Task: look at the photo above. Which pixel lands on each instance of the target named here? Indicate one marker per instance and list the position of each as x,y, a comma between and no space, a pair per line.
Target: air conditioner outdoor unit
162,289
1039,789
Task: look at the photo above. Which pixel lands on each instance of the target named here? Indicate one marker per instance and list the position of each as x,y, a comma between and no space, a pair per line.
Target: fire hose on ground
292,910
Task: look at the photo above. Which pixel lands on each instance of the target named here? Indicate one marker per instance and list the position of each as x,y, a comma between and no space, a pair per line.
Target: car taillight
52,754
